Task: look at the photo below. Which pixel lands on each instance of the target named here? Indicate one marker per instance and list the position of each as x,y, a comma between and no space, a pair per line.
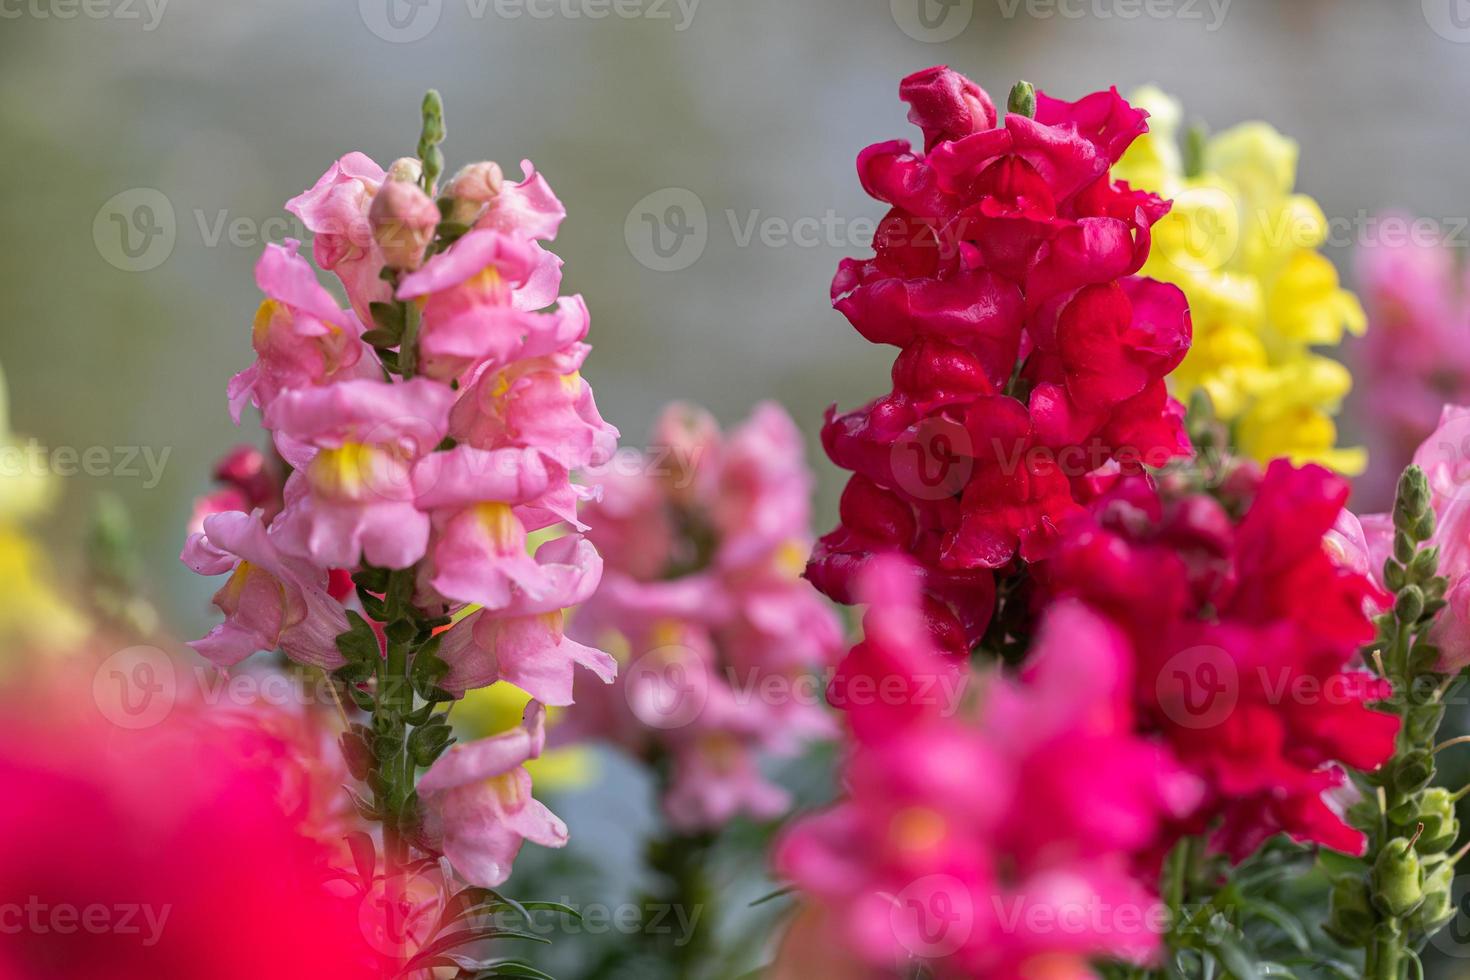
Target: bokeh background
146,149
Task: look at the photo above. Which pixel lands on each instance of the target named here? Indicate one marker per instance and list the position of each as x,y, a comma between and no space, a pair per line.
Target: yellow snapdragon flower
1244,248
32,615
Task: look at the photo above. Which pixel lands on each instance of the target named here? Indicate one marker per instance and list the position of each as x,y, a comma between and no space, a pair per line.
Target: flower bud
1413,773
1410,604
1439,903
475,186
1022,99
1350,917
1441,829
1398,878
406,169
403,220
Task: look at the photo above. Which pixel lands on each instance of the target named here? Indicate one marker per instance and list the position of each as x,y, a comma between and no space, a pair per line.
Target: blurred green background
756,106
212,113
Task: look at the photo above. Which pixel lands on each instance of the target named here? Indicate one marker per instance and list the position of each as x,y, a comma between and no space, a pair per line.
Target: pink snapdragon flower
300,336
523,640
335,211
1416,357
704,540
539,401
356,443
479,301
1445,458
200,836
970,834
479,805
272,600
379,482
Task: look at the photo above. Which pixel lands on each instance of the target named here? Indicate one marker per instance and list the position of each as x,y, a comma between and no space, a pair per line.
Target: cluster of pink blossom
704,537
1415,358
428,428
992,835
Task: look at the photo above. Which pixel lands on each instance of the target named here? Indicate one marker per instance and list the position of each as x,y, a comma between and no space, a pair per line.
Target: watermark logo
1450,19
933,917
667,687
397,915
149,12
933,460
932,21
135,229
401,21
1199,687
668,230
136,688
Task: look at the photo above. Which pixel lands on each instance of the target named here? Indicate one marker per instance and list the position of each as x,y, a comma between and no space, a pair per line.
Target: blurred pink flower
704,541
1416,355
121,868
965,828
271,601
479,804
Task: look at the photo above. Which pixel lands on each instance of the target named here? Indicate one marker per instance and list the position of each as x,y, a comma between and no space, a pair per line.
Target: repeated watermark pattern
407,21
146,13
937,21
37,917
34,459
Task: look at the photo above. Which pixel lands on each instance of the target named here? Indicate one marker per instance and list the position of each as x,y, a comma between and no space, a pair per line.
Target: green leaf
552,907
364,855
379,338
388,317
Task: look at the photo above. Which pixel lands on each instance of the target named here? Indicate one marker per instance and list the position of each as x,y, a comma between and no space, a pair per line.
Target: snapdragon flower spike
1230,623
1031,355
300,335
478,803
271,601
354,444
704,543
998,810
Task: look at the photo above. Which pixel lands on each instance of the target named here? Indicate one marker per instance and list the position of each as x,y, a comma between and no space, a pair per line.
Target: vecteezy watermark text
39,918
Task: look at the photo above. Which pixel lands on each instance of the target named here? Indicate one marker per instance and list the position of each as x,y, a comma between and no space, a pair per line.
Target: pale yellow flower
1243,245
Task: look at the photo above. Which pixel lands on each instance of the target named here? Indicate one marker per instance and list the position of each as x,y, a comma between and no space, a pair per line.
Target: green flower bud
1409,606
1398,878
1413,772
1425,565
1441,829
1404,546
1413,490
1351,916
1022,99
1439,903
1394,576
1423,720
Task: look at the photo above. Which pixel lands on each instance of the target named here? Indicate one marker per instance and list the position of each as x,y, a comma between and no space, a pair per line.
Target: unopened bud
1440,826
1439,904
403,220
1410,604
1022,99
1350,916
472,188
1398,877
408,170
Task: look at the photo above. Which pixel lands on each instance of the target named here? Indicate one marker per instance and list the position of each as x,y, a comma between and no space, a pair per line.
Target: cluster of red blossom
1020,463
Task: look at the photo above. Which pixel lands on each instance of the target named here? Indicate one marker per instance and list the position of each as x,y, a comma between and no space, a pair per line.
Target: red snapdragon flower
1246,635
1031,355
